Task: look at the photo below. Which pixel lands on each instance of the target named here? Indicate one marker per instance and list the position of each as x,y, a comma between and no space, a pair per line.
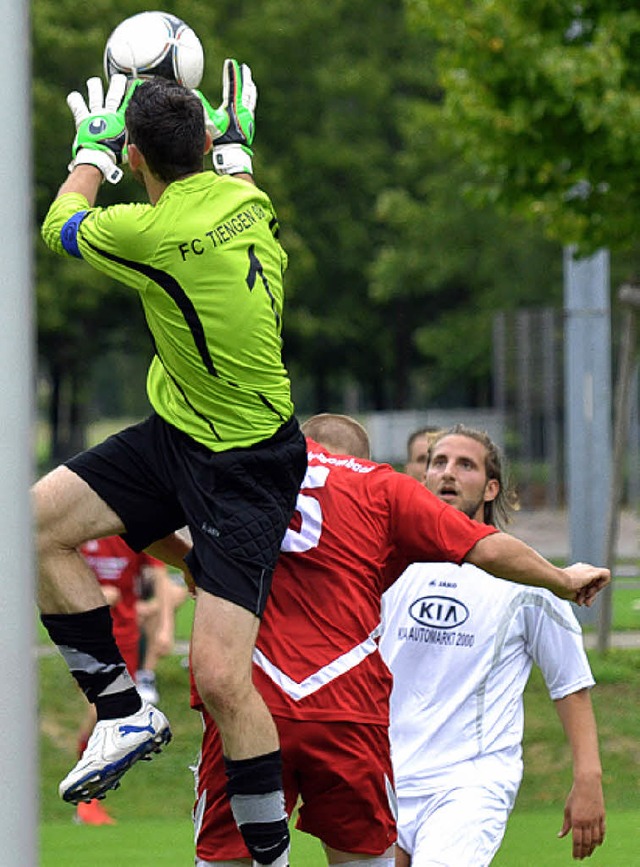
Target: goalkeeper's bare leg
73,610
223,638
69,512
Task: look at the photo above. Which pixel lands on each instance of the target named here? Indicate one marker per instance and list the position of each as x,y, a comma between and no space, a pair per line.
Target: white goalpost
18,712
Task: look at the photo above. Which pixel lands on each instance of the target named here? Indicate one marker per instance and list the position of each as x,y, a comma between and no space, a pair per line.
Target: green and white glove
100,130
232,125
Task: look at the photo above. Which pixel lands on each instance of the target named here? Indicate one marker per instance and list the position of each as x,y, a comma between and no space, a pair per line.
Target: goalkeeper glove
232,125
100,129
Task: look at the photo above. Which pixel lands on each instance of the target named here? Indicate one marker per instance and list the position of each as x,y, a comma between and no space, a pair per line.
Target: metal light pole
18,714
588,405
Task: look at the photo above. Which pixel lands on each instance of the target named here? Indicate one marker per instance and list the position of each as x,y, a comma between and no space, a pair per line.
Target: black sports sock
254,787
86,642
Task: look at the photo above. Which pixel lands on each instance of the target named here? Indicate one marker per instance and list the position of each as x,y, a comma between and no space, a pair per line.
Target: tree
387,264
543,99
326,132
453,263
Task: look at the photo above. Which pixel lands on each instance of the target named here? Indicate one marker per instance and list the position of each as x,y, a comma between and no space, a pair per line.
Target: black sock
86,642
260,813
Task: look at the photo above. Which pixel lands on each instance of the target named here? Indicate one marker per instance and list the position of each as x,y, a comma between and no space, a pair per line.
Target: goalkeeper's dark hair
166,123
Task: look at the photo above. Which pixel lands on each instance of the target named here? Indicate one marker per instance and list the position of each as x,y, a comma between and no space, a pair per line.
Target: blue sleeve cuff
69,234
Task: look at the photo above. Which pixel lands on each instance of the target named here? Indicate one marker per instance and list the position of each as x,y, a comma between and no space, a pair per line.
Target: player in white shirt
461,646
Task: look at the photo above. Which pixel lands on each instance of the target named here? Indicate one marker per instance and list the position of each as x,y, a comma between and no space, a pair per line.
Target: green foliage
382,244
543,99
326,118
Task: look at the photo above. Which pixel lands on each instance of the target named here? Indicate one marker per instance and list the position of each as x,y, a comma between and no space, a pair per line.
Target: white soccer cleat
115,745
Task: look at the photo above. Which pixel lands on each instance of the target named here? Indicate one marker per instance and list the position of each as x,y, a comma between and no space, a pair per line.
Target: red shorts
340,771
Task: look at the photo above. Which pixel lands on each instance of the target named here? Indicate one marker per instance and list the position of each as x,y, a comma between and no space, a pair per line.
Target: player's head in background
165,126
417,447
339,434
466,469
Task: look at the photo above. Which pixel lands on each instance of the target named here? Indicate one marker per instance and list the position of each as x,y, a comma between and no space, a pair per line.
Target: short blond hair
339,434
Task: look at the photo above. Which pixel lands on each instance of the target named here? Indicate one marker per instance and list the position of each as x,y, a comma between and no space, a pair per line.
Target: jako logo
439,612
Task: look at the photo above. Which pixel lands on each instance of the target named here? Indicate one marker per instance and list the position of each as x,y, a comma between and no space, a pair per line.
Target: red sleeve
427,530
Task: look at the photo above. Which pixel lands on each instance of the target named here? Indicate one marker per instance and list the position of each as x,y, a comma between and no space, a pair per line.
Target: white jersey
460,645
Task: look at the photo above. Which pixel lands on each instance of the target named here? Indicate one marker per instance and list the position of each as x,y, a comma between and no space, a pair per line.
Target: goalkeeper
221,452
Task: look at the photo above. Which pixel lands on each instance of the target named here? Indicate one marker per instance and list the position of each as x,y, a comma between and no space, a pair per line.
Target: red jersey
357,526
115,564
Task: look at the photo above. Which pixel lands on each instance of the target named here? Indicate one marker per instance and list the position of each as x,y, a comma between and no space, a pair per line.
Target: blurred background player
121,573
417,448
160,596
456,705
316,664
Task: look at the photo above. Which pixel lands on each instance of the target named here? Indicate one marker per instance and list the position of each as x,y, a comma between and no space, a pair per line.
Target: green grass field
626,604
530,842
153,806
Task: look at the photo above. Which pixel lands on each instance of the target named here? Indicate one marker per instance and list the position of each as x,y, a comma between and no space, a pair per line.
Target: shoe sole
96,784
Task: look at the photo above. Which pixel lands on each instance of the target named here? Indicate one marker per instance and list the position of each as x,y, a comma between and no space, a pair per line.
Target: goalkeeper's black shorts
236,504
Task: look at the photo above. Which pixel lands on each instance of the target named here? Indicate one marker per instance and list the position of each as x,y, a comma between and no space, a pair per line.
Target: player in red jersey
120,573
357,525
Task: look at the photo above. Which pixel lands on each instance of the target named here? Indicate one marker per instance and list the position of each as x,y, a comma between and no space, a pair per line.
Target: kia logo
439,612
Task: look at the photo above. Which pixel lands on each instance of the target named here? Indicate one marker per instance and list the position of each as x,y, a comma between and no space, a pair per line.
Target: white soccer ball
155,43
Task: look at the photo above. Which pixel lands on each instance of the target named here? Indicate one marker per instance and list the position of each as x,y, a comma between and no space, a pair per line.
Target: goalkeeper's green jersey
208,267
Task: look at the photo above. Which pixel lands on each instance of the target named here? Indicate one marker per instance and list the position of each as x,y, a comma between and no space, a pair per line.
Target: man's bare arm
584,812
504,556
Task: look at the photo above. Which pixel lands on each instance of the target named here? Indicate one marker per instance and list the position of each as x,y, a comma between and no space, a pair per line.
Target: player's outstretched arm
100,127
584,812
504,556
98,148
99,139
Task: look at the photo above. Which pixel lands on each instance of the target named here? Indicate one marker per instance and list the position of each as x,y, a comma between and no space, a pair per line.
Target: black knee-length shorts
237,503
